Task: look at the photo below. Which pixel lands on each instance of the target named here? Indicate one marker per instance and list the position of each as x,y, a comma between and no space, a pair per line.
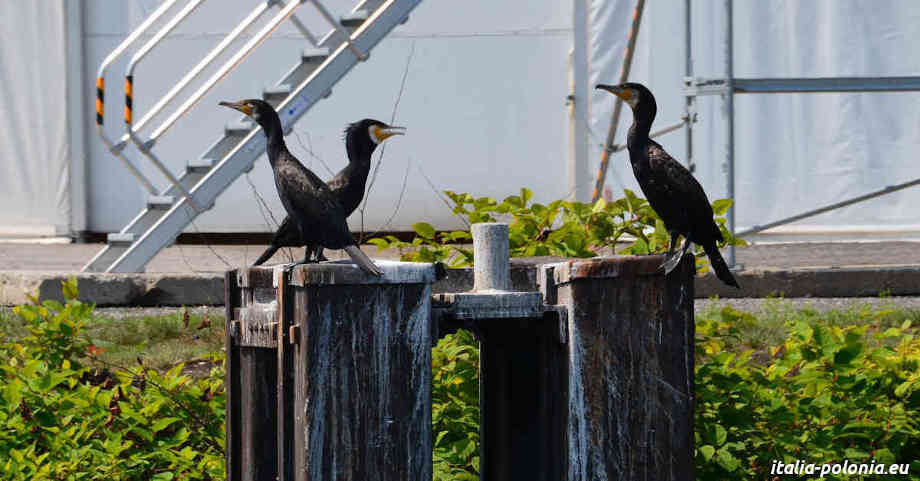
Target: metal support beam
878,193
729,111
700,86
689,101
578,131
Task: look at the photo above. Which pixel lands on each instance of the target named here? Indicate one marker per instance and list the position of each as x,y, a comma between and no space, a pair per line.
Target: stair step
160,202
118,238
315,55
278,92
200,166
354,20
239,129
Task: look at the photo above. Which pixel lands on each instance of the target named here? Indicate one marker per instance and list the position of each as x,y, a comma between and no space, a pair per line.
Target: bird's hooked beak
624,93
384,132
241,106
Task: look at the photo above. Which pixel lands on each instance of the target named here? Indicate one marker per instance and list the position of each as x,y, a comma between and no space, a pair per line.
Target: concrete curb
115,289
208,289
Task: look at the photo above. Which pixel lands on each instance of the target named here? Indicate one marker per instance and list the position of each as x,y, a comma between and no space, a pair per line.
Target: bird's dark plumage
361,138
311,204
671,190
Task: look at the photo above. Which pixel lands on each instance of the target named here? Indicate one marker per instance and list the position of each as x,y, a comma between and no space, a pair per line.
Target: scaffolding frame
729,86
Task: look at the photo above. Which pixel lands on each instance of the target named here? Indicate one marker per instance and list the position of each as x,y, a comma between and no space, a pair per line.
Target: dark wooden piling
252,375
630,352
362,373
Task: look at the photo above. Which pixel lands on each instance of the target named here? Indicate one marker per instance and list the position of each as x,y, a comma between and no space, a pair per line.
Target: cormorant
671,190
307,199
361,138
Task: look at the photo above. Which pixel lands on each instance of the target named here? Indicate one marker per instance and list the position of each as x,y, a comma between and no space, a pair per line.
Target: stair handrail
113,147
204,63
129,95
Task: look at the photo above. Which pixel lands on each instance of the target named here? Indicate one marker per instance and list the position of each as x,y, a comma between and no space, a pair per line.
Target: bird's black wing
687,197
309,200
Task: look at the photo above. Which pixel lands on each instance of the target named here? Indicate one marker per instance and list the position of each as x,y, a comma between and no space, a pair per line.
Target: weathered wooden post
255,307
362,372
329,373
589,379
629,391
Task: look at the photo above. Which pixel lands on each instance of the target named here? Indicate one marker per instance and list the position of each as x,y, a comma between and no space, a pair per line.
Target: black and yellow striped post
129,97
100,99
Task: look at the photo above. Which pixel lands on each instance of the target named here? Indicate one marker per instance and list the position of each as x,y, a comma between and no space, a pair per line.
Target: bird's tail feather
363,261
719,265
266,255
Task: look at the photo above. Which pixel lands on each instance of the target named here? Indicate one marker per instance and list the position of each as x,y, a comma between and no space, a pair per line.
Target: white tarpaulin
793,152
485,104
35,147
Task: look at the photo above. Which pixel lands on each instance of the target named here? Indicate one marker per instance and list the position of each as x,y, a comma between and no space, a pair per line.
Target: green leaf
599,206
69,288
424,229
721,206
526,195
380,243
707,451
719,435
161,424
728,461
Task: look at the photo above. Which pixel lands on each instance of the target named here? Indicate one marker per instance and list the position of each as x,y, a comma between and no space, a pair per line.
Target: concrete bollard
490,249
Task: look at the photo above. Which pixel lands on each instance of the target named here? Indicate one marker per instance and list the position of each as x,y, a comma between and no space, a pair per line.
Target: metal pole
578,163
689,101
728,97
618,104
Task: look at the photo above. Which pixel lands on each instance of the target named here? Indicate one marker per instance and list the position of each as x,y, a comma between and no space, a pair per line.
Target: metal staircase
319,68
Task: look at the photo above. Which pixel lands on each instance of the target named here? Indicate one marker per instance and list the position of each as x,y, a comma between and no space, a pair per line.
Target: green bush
560,228
455,407
64,415
827,394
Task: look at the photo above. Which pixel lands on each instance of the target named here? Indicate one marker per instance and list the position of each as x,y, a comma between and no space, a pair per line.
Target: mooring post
491,270
630,349
362,372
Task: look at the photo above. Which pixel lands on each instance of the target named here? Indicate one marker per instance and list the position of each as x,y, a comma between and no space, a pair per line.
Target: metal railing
113,147
132,129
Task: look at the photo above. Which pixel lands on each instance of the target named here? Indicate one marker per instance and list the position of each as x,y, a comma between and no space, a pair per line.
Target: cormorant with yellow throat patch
319,216
361,138
671,190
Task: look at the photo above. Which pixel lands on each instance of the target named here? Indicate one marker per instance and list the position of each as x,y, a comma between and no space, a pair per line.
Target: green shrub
560,228
455,407
63,415
829,393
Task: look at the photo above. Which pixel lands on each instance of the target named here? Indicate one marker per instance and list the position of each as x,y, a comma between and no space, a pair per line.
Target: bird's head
365,135
634,94
256,109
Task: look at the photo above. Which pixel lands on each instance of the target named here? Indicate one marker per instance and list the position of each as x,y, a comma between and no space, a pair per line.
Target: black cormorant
671,190
361,138
307,199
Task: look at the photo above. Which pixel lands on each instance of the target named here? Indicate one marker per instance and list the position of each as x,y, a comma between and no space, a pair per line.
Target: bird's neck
275,135
359,153
638,135
359,166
